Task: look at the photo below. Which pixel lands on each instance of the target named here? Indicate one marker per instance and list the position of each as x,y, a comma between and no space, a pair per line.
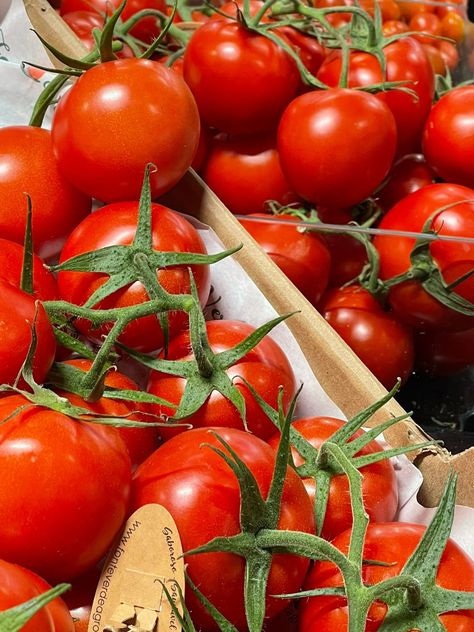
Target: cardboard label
130,595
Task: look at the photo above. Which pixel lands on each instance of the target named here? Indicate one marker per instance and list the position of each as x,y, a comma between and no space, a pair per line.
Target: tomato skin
427,23
383,343
116,224
445,352
392,543
106,158
18,585
241,81
64,494
408,175
17,315
320,138
379,484
410,302
266,368
452,26
303,257
140,442
449,135
204,485
436,59
245,172
57,206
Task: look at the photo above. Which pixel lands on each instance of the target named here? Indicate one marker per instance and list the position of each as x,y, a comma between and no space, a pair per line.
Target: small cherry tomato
409,174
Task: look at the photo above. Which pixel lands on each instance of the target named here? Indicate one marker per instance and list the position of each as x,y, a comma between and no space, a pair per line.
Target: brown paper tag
130,595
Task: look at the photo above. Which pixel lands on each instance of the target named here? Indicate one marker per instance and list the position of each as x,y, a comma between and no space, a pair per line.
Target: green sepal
26,282
106,37
14,619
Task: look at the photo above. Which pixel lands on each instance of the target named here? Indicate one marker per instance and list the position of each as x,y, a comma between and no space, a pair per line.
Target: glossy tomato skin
203,485
379,482
392,543
245,173
18,585
116,224
408,175
105,157
140,442
27,164
303,256
336,146
45,287
17,315
444,352
411,303
449,134
383,343
241,81
265,367
64,494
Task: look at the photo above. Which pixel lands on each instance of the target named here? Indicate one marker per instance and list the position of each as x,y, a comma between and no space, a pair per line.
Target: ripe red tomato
241,80
57,206
265,367
116,224
383,343
309,49
245,173
427,23
146,29
449,53
118,117
394,27
448,137
320,137
436,59
411,303
17,314
379,484
65,489
140,442
84,22
452,25
18,585
444,352
303,256
392,543
201,492
408,175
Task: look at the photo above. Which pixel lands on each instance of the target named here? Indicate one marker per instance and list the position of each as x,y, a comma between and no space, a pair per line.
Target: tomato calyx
14,619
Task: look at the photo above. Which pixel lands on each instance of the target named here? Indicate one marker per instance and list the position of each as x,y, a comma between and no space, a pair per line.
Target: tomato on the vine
84,22
408,175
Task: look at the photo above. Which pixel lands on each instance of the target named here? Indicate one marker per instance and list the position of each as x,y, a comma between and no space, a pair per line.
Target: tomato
310,51
411,303
27,164
201,492
204,147
18,585
265,367
389,9
118,117
436,59
444,352
116,224
452,26
83,23
230,9
382,343
408,175
146,29
17,314
410,9
379,483
140,442
449,53
337,20
241,80
427,23
406,61
245,173
392,543
447,135
303,256
320,137
394,27
65,489
102,7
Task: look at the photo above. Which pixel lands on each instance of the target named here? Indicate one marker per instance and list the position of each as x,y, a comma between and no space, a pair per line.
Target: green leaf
26,283
107,34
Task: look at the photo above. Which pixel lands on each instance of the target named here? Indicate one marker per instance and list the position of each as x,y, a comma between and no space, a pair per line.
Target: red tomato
57,206
310,51
204,146
411,303
116,224
105,157
392,543
146,29
17,314
83,23
245,173
449,134
382,343
18,585
408,175
320,137
104,7
394,27
45,287
427,23
406,61
410,9
265,367
379,484
303,256
230,9
452,26
65,489
241,80
449,53
388,8
191,480
140,442
436,59
444,352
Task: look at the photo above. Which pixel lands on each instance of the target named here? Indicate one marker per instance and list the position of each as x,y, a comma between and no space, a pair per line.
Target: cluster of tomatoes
122,297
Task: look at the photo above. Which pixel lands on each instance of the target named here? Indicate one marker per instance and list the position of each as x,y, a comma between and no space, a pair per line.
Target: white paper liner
237,296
